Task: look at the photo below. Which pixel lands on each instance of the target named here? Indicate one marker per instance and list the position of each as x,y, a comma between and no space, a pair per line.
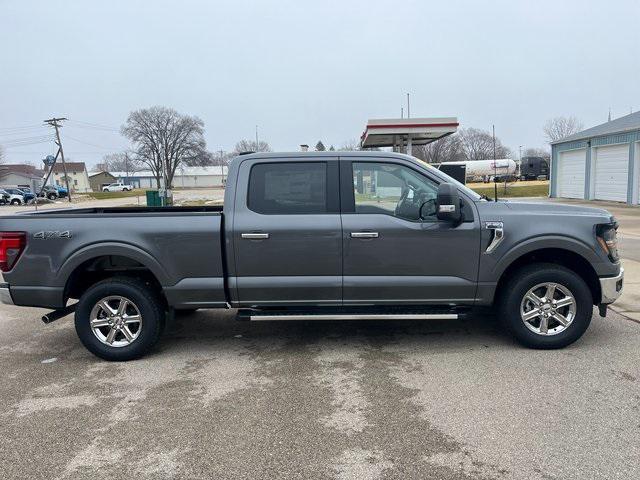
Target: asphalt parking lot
362,400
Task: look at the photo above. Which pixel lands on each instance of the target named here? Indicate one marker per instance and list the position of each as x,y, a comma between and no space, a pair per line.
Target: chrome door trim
364,235
255,236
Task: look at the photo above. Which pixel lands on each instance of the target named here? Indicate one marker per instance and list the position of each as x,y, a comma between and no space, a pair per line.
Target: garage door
611,173
571,168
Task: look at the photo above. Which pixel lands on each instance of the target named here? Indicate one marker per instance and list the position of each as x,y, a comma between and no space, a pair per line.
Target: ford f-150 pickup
316,236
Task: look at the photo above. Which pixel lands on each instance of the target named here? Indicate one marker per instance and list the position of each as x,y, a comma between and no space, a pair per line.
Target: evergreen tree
320,146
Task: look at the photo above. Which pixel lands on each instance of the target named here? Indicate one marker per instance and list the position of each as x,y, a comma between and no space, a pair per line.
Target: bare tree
447,149
120,162
537,152
561,127
477,144
350,146
250,146
1,155
162,137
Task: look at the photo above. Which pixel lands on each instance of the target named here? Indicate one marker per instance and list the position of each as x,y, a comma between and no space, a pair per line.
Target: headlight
607,236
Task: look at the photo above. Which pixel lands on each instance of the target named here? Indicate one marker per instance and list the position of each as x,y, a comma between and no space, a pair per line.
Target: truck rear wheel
119,319
547,306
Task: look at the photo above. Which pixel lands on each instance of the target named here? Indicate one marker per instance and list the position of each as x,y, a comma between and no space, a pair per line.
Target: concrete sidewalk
629,302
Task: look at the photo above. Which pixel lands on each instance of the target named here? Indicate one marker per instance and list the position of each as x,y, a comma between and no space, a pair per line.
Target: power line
87,143
22,139
25,127
96,126
26,143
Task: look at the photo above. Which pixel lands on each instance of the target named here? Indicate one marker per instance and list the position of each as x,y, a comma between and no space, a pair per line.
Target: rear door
391,256
287,234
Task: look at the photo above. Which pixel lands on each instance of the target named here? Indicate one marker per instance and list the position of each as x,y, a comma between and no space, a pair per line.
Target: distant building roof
22,169
93,174
619,125
188,171
71,167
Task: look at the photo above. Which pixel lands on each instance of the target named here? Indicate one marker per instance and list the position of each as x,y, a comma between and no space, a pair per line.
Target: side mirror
428,209
449,203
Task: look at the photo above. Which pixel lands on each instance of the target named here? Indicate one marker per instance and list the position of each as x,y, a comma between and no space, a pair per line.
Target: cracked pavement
347,400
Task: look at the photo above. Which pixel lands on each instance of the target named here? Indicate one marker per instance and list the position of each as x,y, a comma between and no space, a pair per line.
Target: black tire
52,196
528,277
147,302
15,201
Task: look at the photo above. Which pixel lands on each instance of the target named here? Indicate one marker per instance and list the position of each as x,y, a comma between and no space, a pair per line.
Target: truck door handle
364,234
255,236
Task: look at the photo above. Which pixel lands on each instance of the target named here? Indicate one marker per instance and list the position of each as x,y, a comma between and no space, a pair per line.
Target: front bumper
611,287
5,294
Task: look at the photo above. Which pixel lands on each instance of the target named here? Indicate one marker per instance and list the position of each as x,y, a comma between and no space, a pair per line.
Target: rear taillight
11,246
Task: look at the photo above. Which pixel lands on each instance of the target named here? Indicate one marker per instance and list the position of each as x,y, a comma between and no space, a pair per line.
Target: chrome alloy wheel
548,308
116,321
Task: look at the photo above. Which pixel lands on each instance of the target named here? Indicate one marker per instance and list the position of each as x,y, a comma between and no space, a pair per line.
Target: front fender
498,267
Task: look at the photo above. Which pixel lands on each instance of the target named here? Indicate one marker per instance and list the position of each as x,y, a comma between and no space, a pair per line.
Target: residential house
21,175
77,176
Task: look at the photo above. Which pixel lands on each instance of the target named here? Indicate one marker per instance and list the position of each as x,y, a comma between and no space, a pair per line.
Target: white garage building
600,163
185,177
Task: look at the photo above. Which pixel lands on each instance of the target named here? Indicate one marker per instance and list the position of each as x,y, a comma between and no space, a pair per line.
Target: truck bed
122,211
180,248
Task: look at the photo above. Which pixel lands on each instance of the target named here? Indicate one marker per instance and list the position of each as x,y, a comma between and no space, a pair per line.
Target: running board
369,316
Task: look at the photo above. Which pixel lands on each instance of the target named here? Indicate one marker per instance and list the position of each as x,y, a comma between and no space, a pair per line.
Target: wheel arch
95,263
559,256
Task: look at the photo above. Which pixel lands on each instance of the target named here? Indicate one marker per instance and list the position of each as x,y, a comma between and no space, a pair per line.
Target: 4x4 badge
52,234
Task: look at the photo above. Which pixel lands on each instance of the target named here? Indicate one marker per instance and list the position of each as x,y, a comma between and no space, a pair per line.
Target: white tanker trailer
486,170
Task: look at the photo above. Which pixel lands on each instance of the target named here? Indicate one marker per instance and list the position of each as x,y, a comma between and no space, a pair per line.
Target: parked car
116,187
62,191
27,194
317,236
49,192
16,196
4,197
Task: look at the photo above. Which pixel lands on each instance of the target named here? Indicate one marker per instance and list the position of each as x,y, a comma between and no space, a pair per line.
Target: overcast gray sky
310,70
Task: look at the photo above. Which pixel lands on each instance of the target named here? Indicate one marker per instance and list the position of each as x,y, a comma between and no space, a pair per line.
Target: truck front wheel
119,319
547,306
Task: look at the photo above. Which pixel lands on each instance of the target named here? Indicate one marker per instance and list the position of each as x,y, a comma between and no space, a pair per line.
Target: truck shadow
482,330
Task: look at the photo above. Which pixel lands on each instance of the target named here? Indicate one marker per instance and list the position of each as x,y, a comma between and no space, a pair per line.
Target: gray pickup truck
317,236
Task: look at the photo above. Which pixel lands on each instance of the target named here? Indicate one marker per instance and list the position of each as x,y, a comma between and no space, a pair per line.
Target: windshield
475,196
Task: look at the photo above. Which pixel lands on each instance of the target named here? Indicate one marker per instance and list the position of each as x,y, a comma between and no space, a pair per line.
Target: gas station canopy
406,132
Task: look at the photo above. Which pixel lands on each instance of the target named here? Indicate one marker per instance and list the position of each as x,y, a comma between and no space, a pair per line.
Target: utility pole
222,166
408,107
257,144
495,166
55,123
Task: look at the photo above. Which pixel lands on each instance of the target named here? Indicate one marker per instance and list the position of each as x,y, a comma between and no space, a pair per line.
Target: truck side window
391,189
286,188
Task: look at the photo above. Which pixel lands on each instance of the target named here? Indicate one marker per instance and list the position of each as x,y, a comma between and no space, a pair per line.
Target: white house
77,176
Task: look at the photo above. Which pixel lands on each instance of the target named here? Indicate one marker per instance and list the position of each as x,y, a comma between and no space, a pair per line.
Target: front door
287,236
393,256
